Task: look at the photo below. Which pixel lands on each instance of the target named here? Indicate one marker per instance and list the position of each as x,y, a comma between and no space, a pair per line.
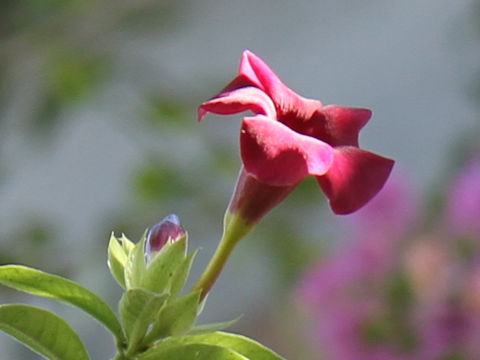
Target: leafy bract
176,318
163,266
138,309
117,258
135,266
181,274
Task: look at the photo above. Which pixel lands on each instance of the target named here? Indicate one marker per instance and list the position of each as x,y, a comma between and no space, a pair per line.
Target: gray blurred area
98,129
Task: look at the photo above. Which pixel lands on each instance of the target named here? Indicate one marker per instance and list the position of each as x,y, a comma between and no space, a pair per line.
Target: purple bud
159,234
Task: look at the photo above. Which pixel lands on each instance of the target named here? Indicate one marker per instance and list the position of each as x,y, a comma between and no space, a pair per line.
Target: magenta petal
345,123
257,71
232,102
354,177
276,155
245,69
250,64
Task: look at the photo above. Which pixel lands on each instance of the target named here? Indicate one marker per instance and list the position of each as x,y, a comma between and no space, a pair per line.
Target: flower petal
245,69
354,177
277,155
260,74
250,65
232,102
344,124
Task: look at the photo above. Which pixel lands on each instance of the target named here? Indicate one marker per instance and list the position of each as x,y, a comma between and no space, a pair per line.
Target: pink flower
463,202
290,137
392,214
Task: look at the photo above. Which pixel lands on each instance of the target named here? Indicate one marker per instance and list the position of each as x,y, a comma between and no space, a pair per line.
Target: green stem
234,229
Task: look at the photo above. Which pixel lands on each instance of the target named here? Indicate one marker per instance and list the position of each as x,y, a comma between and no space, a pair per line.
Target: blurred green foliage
28,244
164,111
157,183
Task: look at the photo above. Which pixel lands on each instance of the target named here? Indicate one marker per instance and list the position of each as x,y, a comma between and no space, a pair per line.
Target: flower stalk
234,229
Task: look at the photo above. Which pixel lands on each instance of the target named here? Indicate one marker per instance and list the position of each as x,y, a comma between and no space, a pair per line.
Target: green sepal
55,287
117,258
42,331
127,245
138,309
201,306
210,328
162,267
191,351
135,266
181,275
248,348
176,318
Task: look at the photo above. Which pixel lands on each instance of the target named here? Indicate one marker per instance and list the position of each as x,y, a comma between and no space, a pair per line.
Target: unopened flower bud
159,234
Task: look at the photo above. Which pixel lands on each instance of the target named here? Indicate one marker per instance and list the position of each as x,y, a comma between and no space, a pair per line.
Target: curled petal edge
239,100
259,73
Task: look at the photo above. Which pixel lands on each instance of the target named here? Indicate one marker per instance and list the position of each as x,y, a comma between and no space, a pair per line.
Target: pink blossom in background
463,201
393,213
471,297
447,328
370,251
429,265
343,292
290,137
351,269
349,291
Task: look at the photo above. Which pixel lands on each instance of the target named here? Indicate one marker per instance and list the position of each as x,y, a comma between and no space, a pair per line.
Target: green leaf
176,318
163,266
117,258
138,309
249,348
42,331
191,351
56,287
209,328
135,266
181,275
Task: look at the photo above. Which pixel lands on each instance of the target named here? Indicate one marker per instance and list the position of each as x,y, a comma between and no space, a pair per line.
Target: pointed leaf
42,331
163,266
127,245
191,351
240,344
135,266
138,309
175,319
210,328
56,287
117,259
201,306
181,275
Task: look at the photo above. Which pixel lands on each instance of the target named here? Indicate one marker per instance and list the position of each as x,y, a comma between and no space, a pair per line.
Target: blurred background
98,132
